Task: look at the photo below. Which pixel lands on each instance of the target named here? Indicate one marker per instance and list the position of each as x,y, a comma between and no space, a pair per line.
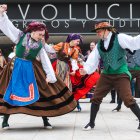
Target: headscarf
37,26
74,37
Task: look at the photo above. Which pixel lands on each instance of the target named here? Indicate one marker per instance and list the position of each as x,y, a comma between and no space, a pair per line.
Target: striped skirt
55,98
1,68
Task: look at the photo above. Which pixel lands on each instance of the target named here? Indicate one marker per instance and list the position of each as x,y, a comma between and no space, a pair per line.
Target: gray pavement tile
109,125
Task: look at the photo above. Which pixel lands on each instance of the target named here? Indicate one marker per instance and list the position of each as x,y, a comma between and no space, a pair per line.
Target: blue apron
22,89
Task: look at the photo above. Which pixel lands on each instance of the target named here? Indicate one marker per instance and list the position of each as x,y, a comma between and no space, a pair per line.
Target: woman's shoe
5,124
46,123
79,108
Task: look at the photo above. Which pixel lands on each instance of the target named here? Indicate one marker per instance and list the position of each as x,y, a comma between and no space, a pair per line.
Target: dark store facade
74,16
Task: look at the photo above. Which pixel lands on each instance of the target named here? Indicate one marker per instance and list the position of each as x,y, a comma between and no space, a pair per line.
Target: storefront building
73,16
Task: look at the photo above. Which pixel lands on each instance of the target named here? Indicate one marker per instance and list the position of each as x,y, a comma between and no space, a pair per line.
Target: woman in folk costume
111,49
31,87
67,55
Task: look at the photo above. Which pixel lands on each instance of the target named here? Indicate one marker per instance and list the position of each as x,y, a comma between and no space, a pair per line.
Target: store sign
75,17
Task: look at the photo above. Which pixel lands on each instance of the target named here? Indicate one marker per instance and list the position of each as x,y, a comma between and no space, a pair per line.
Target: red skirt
81,85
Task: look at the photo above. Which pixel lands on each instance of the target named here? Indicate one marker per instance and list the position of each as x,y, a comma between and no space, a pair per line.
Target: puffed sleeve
74,59
47,66
74,64
58,46
7,27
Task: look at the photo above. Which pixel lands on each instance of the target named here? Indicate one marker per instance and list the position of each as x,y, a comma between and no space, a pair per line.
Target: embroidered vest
20,50
114,57
133,59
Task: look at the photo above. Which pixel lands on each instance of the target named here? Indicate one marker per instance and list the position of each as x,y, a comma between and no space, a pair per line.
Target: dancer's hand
72,73
47,80
3,8
82,71
50,80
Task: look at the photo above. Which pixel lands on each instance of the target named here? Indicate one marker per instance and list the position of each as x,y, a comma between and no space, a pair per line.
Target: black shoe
136,110
78,106
47,124
118,108
138,129
112,101
88,127
5,125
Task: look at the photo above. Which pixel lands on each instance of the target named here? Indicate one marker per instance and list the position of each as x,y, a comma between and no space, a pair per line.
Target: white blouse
13,33
125,41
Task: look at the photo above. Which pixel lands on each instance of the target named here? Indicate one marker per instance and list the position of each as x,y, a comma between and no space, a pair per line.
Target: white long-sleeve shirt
125,41
13,33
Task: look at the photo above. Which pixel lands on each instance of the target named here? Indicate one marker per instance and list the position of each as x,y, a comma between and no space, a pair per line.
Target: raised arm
129,42
7,27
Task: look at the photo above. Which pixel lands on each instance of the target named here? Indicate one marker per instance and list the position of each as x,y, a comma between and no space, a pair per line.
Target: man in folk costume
133,62
31,86
111,49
